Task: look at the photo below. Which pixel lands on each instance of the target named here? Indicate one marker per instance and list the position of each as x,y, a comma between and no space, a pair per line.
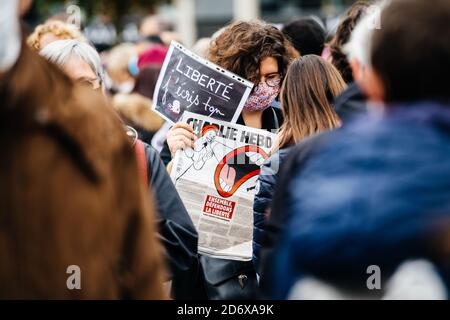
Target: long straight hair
307,94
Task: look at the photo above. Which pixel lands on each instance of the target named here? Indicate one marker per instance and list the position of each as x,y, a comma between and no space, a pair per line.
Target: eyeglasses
272,80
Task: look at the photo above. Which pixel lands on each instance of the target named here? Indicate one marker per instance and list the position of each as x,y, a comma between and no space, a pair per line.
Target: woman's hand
181,136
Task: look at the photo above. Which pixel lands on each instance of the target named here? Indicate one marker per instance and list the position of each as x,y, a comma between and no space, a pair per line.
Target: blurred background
107,22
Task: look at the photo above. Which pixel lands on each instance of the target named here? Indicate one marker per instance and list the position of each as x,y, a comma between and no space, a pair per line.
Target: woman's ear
372,85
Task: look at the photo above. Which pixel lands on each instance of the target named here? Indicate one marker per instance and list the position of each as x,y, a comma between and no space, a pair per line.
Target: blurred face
81,72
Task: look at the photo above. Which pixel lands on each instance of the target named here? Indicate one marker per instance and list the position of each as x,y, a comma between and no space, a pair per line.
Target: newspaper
217,181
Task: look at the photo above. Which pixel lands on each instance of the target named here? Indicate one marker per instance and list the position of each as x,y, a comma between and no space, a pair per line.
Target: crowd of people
359,176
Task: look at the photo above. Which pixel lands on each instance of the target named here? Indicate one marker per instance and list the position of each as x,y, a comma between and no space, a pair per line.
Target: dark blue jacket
263,200
377,192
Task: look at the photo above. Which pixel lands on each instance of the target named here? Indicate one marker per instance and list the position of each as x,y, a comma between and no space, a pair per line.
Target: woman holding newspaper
261,54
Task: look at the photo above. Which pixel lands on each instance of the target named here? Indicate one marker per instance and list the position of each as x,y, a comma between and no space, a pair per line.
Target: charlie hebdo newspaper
217,181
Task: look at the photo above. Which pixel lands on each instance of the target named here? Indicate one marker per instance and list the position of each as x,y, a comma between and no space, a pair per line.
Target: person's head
154,55
308,91
342,36
146,81
168,36
51,31
150,26
410,53
357,49
307,36
77,59
118,67
258,52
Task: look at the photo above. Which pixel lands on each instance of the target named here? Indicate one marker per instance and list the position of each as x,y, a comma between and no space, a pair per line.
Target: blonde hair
59,29
119,58
136,110
309,88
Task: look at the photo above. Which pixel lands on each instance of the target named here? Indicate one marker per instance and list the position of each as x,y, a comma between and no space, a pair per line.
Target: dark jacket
376,193
263,200
70,193
276,222
350,103
176,229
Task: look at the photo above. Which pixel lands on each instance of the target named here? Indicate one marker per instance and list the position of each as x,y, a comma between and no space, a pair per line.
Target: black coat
176,229
349,105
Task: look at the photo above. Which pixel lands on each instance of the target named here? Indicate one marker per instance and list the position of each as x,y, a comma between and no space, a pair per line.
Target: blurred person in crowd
81,62
154,55
63,202
201,47
176,229
349,105
307,95
147,79
342,36
307,36
51,31
151,28
117,67
155,30
168,36
376,191
136,111
150,66
260,53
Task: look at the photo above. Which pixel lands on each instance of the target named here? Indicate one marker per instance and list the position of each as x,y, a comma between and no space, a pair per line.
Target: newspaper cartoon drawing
234,169
217,181
175,107
237,167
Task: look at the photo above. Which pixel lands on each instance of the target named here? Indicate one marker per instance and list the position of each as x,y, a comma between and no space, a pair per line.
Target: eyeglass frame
266,81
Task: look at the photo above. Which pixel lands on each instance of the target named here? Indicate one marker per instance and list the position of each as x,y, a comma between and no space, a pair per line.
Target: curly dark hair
343,32
241,46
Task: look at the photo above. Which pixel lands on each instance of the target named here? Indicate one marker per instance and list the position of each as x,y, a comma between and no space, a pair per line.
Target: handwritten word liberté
203,80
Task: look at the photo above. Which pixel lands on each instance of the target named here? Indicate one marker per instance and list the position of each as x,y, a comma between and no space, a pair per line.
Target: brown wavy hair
343,33
241,46
309,89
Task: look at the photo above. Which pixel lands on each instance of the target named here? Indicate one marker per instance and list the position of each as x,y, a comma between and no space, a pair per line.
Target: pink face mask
262,97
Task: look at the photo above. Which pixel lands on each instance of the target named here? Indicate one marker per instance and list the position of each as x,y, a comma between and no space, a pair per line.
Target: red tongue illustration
236,168
228,175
